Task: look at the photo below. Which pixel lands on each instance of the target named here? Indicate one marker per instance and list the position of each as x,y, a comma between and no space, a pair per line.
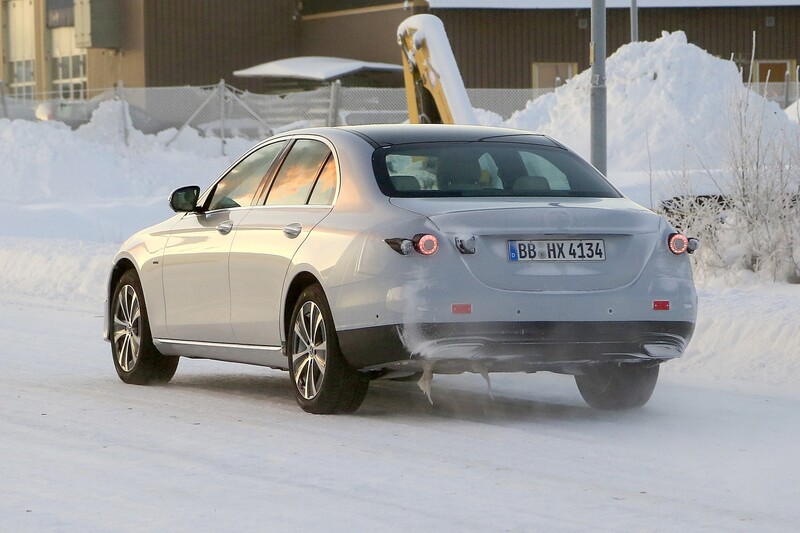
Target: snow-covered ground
224,446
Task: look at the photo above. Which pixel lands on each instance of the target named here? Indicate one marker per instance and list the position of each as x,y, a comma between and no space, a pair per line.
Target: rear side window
486,169
298,173
239,186
325,187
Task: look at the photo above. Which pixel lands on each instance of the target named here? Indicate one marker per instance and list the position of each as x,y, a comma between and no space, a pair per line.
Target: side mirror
184,200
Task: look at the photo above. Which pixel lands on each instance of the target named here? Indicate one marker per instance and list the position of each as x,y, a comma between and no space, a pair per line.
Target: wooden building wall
367,34
104,67
496,48
199,42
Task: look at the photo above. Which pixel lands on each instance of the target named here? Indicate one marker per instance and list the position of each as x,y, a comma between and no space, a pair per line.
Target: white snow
224,447
317,68
670,106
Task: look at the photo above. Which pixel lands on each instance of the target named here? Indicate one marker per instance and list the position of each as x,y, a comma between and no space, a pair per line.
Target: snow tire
615,387
322,381
136,359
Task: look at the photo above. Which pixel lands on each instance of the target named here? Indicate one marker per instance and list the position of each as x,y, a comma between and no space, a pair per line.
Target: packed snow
225,447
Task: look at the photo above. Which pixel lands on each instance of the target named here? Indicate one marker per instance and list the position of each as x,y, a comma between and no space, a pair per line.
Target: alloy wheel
309,350
127,328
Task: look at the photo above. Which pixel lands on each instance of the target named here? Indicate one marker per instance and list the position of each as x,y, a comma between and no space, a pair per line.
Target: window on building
60,13
21,84
546,75
774,69
68,75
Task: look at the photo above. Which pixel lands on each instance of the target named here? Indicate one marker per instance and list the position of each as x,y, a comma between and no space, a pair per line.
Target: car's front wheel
322,381
624,386
135,357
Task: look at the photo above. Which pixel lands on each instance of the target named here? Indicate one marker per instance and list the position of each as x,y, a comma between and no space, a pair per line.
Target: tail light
678,243
423,243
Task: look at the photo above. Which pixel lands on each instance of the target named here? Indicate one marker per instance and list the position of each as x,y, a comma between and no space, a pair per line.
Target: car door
195,262
299,197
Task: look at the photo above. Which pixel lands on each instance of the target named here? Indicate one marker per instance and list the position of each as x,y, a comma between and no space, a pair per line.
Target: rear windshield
486,169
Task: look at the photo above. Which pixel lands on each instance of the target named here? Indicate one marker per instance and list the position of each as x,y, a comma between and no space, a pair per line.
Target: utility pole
597,96
634,22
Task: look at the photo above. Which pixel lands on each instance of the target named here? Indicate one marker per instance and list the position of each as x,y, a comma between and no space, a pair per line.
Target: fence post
121,97
222,90
3,97
191,118
241,102
333,109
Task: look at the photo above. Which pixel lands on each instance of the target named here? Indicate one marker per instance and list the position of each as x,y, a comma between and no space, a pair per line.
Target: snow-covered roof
315,68
586,4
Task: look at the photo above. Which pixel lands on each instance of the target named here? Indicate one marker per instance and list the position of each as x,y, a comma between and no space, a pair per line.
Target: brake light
425,243
678,243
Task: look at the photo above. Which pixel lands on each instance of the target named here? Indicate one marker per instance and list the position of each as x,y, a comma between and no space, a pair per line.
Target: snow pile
90,183
793,112
747,333
669,104
62,270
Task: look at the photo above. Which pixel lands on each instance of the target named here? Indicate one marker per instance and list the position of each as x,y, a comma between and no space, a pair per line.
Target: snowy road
224,447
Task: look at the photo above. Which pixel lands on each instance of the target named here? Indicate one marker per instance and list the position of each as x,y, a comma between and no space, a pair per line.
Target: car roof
391,134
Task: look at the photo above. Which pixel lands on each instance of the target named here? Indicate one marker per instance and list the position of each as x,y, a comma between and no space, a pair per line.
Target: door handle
225,227
293,230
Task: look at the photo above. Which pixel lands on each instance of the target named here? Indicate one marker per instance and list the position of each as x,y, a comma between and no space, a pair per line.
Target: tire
322,381
614,387
136,359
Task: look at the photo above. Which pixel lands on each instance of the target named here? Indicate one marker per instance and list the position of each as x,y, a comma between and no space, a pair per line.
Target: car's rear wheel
322,381
624,386
135,357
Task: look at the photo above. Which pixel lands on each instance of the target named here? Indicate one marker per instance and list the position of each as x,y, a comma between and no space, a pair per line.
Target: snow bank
89,183
57,270
747,333
793,112
669,106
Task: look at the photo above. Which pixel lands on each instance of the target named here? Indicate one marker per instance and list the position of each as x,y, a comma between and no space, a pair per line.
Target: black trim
513,346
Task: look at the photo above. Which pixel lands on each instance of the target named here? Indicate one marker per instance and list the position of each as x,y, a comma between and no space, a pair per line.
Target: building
536,43
67,47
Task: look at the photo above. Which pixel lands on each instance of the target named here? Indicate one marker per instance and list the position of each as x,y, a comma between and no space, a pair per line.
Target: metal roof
586,4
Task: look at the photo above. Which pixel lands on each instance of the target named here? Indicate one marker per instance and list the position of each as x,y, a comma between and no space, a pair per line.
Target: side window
325,188
298,172
239,186
537,165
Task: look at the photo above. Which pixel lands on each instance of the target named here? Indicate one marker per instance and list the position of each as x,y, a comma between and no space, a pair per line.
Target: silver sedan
349,254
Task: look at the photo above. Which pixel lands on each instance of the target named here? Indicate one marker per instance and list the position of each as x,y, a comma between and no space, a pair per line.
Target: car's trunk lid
627,232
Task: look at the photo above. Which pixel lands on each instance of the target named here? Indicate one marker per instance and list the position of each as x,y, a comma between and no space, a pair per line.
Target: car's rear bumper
512,346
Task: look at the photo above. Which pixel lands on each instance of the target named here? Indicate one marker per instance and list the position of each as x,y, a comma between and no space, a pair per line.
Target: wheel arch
298,284
122,265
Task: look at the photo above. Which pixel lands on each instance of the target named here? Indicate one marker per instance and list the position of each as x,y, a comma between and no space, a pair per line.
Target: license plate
566,250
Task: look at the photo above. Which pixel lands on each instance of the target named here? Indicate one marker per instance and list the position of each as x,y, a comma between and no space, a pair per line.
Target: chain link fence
224,111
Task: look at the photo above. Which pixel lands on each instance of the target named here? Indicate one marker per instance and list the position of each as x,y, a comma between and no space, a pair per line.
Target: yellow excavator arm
434,89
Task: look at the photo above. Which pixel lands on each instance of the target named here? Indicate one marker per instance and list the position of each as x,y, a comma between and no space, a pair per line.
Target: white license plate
566,250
